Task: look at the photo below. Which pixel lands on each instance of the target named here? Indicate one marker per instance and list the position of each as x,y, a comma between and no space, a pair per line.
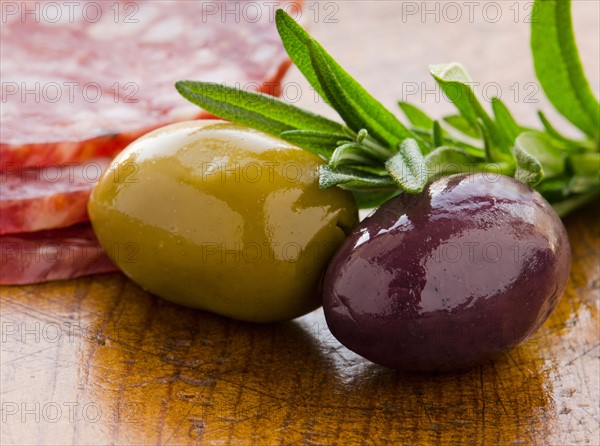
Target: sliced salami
54,196
80,81
83,79
56,254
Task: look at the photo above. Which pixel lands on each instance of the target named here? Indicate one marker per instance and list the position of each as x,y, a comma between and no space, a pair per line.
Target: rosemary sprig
376,156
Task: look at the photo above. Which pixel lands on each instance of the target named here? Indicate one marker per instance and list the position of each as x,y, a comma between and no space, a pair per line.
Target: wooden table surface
98,361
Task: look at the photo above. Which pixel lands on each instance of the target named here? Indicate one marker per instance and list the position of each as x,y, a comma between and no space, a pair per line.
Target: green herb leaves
559,69
255,110
408,168
529,169
354,104
376,157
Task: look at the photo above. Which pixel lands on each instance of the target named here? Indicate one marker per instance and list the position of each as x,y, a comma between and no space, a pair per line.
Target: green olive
216,216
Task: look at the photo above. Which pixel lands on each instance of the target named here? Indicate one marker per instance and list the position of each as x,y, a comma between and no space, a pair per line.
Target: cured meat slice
56,254
50,197
83,79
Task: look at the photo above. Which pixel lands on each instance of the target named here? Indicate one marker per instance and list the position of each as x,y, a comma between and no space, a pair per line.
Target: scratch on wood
585,352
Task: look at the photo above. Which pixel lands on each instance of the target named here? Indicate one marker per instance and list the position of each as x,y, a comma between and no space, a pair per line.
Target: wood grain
99,361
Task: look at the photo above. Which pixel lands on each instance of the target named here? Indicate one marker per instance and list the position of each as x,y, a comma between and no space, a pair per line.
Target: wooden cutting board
98,361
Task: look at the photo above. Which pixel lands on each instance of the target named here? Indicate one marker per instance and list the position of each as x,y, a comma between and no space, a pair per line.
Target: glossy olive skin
444,279
215,216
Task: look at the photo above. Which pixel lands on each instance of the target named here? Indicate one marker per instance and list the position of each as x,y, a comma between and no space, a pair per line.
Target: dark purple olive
443,280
